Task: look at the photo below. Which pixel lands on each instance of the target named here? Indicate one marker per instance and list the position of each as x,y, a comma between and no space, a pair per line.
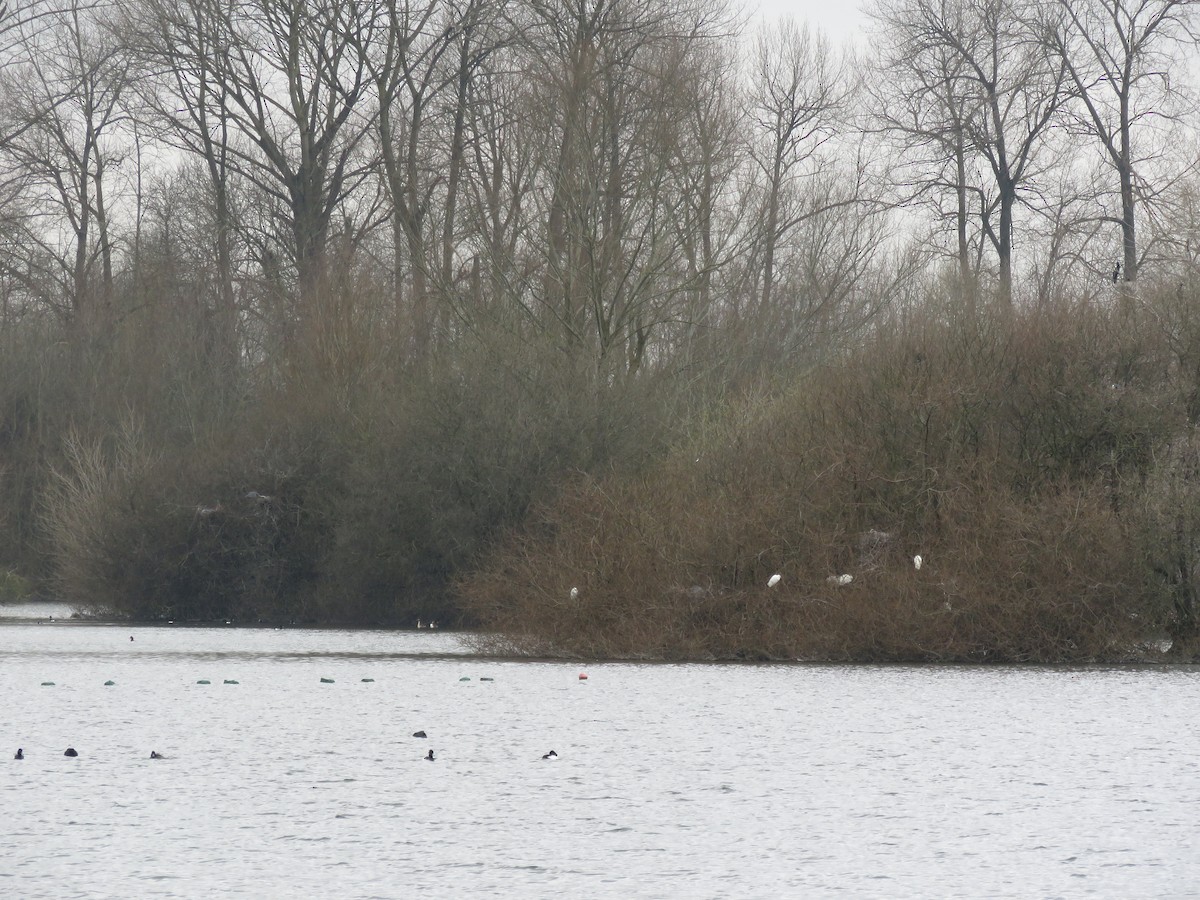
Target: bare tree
407,72
607,70
1119,57
475,38
797,88
1004,94
275,90
924,110
708,165
506,151
178,44
66,101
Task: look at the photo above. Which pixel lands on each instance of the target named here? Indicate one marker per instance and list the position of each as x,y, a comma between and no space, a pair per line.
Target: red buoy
582,676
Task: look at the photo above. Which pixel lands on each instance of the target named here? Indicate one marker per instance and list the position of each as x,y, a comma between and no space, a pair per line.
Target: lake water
689,781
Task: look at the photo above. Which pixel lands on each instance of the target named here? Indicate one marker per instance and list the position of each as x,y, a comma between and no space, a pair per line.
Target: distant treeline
326,311
1043,463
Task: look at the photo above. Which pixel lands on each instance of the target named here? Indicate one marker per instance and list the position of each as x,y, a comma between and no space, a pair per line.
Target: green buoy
203,681
326,681
465,678
109,683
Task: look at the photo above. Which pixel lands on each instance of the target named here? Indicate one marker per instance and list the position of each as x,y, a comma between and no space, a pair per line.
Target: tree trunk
456,158
1004,244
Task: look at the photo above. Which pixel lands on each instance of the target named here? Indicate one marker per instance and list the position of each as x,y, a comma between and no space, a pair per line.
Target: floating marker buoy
203,681
70,751
326,681
582,676
47,684
485,678
420,734
109,683
230,681
465,678
365,680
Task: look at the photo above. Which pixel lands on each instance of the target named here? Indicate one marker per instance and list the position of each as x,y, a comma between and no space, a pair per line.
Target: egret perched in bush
917,562
774,580
840,579
574,593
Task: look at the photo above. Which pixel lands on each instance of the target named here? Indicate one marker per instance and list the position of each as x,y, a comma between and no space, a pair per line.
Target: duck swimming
550,755
20,754
154,754
429,755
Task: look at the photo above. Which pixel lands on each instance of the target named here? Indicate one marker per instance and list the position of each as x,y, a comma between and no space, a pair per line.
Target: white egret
574,593
917,562
840,579
774,580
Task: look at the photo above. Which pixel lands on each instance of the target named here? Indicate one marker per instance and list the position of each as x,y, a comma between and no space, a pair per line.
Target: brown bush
998,452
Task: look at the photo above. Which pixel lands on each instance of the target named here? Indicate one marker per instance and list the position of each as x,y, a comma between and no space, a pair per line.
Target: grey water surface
715,781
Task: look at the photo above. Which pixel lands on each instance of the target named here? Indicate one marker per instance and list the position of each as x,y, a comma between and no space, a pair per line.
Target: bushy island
1044,466
1044,463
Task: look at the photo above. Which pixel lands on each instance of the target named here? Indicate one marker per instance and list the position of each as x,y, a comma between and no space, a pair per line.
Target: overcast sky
839,19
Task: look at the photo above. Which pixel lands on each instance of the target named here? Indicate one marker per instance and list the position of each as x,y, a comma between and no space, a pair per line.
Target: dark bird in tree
1116,273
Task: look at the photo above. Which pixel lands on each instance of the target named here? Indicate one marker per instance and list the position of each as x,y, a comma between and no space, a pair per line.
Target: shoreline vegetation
1044,464
579,323
1045,467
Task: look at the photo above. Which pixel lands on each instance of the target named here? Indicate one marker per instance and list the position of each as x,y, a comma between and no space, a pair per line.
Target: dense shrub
1011,453
347,486
1042,463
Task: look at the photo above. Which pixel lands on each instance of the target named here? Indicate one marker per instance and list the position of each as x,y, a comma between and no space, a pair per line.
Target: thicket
1043,464
303,307
334,480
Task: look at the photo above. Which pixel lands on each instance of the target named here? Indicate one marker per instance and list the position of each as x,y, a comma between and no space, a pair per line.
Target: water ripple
797,780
